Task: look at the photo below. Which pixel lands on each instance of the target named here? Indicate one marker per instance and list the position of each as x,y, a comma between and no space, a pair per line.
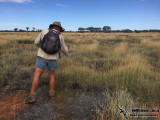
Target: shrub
25,41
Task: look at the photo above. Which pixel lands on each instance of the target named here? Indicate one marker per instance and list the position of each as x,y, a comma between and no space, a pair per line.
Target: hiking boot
52,95
31,98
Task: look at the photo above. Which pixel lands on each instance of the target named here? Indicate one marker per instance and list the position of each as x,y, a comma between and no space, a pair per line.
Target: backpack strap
50,30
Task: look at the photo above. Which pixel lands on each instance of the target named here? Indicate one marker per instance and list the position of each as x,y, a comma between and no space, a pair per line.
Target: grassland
124,66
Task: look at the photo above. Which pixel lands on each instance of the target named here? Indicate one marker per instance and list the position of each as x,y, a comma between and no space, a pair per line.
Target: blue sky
118,14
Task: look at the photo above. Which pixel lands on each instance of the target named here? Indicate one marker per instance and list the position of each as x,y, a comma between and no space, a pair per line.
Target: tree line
88,29
21,30
108,29
95,29
27,29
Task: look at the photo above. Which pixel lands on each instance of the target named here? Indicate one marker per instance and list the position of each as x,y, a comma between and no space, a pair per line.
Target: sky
118,14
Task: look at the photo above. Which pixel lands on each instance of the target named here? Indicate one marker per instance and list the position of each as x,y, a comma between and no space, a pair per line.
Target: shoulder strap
50,30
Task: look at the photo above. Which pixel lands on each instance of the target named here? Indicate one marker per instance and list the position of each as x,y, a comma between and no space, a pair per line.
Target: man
47,60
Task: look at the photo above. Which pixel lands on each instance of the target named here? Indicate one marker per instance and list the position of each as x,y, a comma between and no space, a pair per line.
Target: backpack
51,42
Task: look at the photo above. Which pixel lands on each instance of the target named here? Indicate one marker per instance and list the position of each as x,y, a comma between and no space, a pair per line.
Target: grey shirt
43,54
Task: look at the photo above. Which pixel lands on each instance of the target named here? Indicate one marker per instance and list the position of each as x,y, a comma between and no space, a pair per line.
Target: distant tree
27,28
15,29
116,31
33,28
98,29
81,29
91,29
136,31
127,30
145,30
153,30
107,29
38,30
20,30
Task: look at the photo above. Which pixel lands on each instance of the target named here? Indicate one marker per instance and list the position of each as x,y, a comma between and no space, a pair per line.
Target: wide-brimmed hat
59,25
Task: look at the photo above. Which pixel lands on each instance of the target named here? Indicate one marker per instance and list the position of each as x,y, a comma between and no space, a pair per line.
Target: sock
33,93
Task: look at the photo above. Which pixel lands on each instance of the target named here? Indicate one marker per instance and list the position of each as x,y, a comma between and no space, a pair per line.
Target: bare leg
52,80
35,82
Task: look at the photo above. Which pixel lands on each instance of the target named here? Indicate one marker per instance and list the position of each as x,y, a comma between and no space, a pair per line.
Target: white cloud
61,5
16,1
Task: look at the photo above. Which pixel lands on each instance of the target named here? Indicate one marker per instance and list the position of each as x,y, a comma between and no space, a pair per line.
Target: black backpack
51,42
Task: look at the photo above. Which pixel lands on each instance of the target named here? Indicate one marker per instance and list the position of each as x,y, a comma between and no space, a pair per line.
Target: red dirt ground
11,104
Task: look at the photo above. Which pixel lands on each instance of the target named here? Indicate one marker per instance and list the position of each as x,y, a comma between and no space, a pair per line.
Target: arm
64,48
37,41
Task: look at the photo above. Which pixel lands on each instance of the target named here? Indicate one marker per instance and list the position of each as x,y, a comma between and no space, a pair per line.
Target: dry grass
98,61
